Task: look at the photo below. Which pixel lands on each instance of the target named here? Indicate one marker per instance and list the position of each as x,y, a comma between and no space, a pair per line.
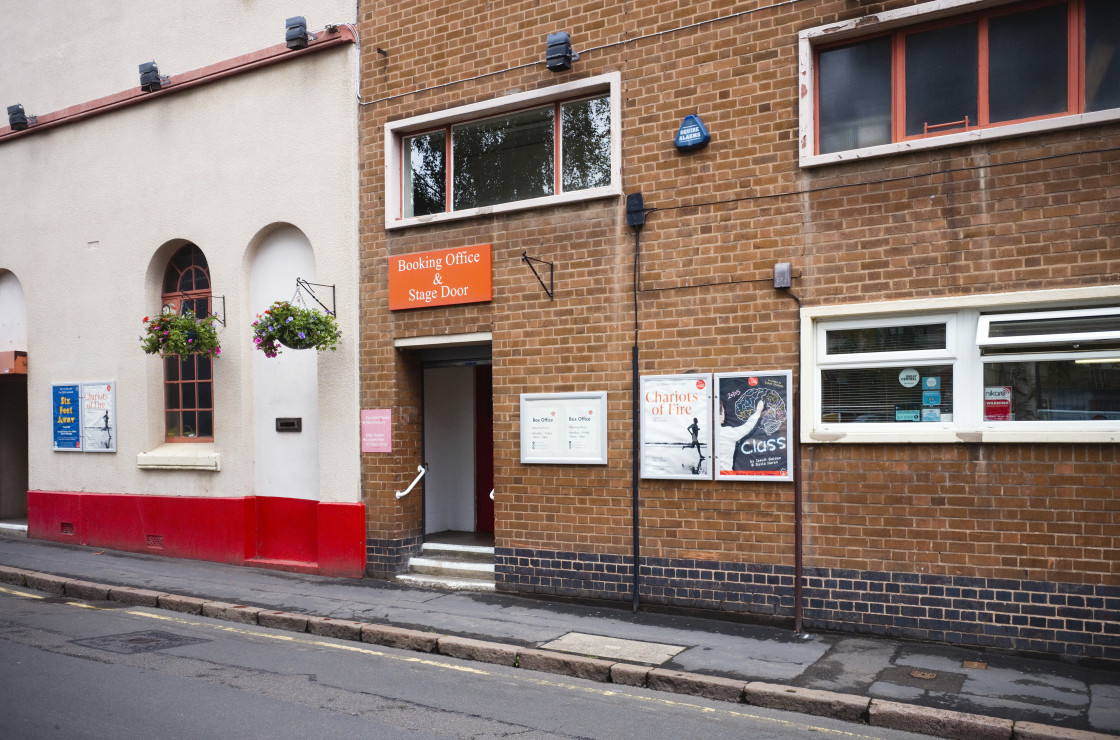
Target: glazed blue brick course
1071,619
386,558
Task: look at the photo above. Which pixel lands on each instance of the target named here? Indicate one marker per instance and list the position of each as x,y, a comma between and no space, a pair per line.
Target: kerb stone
807,701
47,583
231,612
87,590
135,596
340,629
485,652
1035,731
709,687
13,576
397,637
628,674
184,604
282,621
577,666
937,722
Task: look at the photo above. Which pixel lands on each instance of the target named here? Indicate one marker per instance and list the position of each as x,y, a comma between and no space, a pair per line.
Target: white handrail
421,470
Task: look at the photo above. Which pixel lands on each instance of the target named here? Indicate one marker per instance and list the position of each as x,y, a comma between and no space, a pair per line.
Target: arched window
188,381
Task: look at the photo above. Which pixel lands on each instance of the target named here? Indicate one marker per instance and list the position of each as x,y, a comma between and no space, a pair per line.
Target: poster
99,417
755,411
377,430
997,403
66,414
564,428
676,426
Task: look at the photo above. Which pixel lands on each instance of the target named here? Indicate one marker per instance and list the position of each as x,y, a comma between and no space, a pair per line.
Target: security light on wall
150,78
295,33
17,119
559,55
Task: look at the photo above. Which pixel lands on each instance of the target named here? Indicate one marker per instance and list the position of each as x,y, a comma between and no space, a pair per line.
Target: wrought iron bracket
303,284
551,268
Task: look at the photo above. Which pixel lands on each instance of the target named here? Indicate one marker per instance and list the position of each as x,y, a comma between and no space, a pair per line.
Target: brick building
946,197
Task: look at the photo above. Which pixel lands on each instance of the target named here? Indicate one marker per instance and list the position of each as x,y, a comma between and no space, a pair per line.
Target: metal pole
636,470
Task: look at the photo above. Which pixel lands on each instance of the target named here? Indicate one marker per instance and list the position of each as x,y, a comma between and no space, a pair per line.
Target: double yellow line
525,676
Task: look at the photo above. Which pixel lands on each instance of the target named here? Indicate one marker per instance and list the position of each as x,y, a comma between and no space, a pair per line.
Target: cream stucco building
244,163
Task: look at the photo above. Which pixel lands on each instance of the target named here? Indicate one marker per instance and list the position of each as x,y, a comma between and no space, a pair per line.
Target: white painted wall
93,210
287,463
13,314
449,449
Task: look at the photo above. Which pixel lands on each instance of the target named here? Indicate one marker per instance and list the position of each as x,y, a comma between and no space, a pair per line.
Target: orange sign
441,278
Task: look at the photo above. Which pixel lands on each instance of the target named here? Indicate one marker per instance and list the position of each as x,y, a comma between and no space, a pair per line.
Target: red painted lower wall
266,531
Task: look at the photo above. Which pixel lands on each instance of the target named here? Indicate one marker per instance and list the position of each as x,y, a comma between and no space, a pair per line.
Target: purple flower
302,335
289,320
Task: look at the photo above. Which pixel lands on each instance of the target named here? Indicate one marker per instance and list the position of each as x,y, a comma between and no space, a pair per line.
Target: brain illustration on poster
754,426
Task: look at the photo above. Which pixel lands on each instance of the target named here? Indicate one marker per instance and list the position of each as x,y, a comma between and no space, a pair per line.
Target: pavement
938,690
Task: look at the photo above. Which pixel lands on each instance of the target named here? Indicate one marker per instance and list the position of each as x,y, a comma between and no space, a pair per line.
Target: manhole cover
138,642
923,678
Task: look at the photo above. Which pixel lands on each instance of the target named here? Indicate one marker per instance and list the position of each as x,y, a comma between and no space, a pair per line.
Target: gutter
327,39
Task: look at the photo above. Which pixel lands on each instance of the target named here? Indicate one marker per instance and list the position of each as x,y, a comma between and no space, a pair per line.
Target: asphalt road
90,670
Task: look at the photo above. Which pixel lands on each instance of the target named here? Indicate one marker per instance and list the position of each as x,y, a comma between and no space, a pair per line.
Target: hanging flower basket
295,327
180,334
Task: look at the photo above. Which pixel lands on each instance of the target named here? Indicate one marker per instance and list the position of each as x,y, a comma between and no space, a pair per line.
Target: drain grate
67,528
155,541
138,642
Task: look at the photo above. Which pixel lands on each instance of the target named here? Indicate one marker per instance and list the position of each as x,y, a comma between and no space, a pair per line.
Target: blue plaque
931,384
692,134
67,417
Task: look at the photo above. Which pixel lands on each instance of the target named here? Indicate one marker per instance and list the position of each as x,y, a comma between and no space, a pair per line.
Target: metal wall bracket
529,261
303,284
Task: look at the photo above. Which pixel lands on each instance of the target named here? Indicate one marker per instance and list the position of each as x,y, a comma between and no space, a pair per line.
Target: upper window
937,82
526,150
908,377
188,381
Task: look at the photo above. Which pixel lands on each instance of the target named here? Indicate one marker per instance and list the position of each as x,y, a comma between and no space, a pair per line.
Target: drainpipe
635,218
782,282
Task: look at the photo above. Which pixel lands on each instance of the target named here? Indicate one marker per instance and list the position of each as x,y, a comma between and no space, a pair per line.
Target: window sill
520,205
171,456
973,136
1006,435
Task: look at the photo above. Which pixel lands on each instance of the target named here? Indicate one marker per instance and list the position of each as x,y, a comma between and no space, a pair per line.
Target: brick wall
1032,526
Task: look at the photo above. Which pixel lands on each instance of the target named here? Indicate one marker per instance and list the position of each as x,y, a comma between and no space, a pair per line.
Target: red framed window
1013,63
188,382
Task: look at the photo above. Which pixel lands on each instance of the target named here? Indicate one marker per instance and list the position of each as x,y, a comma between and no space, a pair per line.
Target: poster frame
76,425
786,424
563,401
109,387
704,416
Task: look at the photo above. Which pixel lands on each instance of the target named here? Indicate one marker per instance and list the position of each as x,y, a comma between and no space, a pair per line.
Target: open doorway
458,446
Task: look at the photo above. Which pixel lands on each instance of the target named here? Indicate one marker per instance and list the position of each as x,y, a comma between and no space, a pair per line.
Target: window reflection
503,159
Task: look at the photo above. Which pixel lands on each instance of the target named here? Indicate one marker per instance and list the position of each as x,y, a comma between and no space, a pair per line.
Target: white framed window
527,150
878,371
1018,367
952,71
